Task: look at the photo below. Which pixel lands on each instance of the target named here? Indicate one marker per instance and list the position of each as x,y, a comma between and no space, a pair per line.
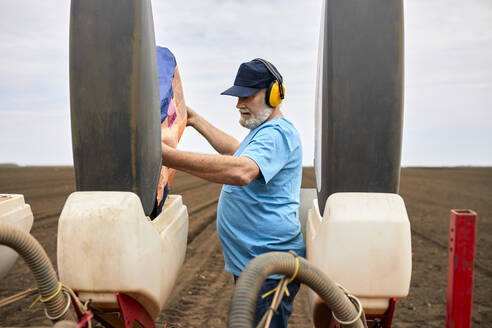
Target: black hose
242,308
39,264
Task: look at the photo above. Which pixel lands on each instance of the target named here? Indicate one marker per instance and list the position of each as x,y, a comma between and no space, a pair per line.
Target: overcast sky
448,72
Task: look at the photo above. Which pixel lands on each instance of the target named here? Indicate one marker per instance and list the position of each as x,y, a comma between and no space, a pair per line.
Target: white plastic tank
106,245
14,211
363,243
305,204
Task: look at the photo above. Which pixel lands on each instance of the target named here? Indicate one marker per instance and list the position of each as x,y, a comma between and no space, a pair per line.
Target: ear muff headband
276,91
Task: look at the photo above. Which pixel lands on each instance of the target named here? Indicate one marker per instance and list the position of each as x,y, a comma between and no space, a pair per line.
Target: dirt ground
201,296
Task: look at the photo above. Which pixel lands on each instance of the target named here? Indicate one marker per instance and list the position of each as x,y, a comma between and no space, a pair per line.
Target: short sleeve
270,150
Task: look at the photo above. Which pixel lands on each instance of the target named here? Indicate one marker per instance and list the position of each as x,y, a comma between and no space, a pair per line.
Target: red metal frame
462,234
387,317
129,309
132,311
322,317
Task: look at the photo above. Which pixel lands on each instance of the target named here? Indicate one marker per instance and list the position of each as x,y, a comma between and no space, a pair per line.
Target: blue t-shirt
264,215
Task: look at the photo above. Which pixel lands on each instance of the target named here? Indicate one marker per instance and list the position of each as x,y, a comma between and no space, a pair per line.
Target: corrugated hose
242,308
57,301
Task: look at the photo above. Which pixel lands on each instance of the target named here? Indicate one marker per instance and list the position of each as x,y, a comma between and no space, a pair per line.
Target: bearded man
258,206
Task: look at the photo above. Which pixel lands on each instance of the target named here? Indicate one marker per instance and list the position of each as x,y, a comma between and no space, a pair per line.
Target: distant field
8,165
202,294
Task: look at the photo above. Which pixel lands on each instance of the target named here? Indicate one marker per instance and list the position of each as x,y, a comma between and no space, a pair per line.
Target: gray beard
255,121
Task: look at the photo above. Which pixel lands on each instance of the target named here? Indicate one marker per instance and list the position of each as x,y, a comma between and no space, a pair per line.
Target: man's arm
225,169
222,142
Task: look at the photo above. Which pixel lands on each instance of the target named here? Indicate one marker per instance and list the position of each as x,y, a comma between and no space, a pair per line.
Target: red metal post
462,231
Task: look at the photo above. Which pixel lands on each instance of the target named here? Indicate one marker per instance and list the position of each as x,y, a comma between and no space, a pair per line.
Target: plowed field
201,296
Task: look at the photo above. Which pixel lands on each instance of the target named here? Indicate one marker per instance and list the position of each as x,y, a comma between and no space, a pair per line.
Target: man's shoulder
278,131
282,125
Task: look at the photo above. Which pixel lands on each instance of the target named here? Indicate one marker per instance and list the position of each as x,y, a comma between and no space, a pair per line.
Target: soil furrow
198,227
203,206
481,268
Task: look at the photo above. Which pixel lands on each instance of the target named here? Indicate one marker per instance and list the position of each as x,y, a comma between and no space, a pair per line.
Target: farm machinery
120,246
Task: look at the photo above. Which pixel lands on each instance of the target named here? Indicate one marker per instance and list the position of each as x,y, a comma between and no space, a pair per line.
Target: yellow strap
295,271
270,292
47,299
290,280
35,301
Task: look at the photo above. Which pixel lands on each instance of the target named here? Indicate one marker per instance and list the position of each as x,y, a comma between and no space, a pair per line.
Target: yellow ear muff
273,94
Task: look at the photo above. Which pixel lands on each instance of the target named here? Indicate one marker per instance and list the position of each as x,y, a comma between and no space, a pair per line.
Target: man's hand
221,141
192,115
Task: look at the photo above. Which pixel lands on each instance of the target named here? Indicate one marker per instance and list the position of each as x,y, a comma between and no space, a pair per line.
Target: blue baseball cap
251,77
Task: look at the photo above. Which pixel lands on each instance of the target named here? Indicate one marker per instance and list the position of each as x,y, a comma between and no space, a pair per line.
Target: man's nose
240,103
